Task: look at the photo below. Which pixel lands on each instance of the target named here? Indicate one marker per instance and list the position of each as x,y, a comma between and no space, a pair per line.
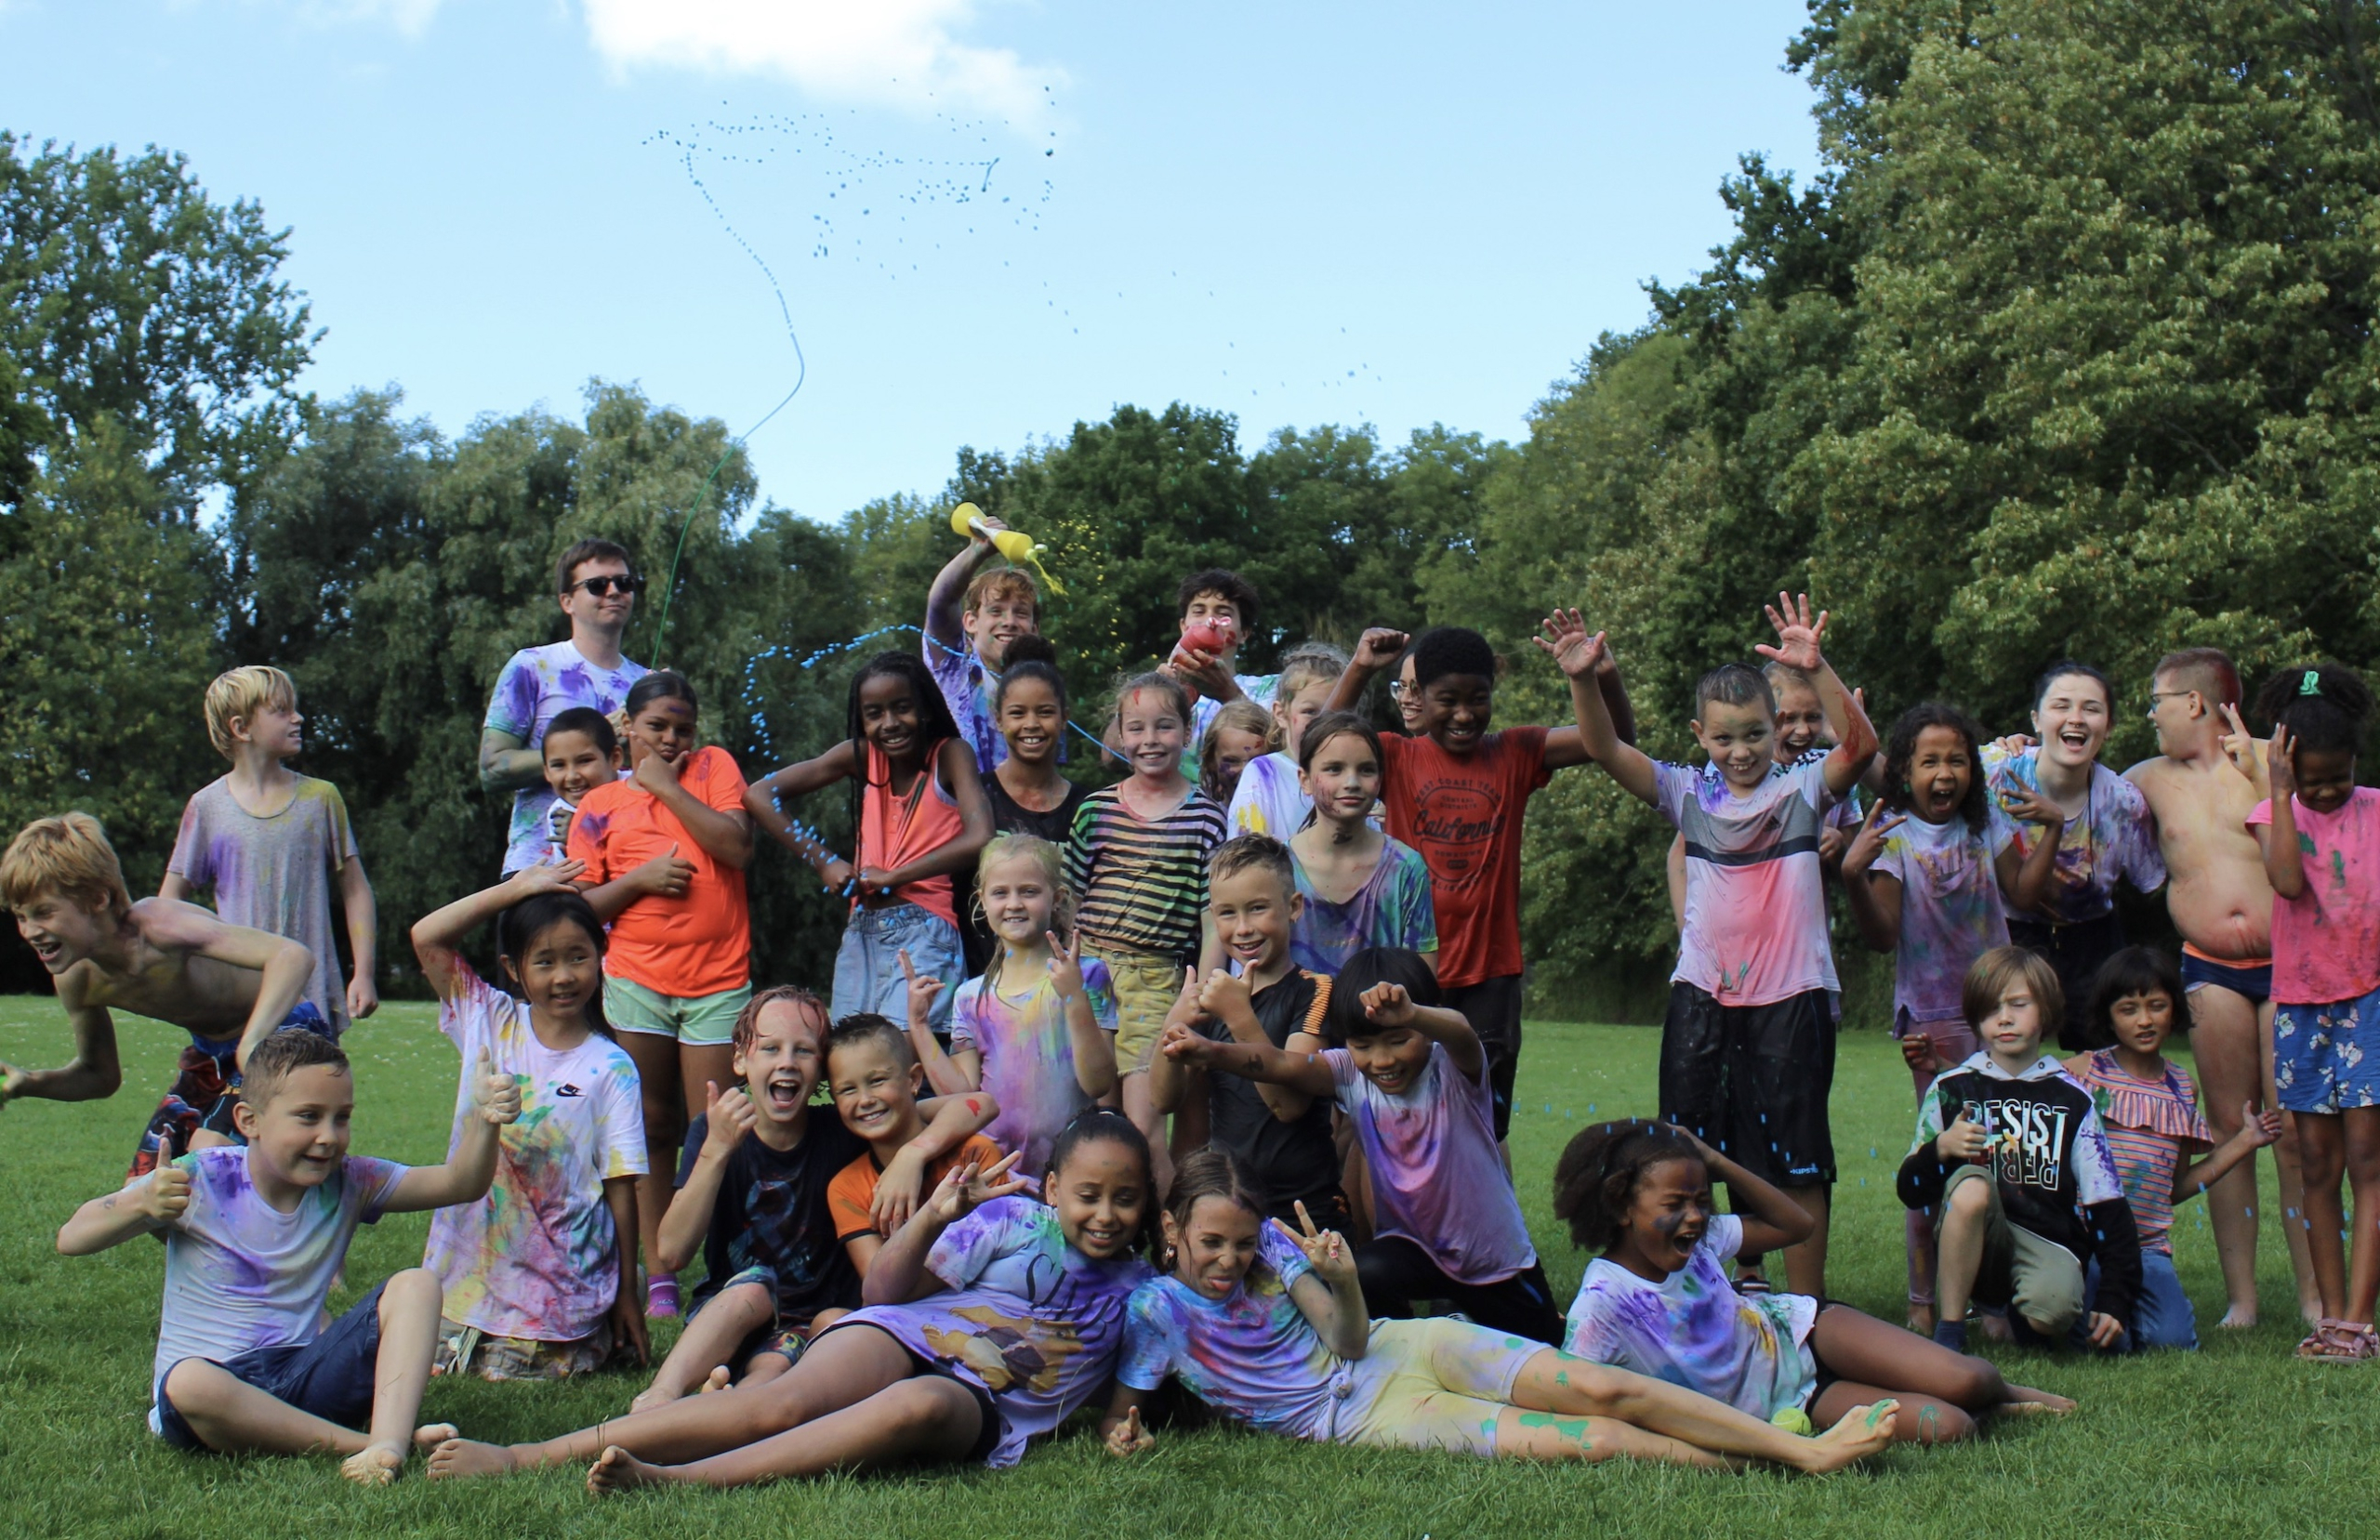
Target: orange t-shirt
683,947
853,1188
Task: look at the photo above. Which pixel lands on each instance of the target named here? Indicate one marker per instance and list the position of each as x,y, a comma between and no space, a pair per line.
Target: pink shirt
1755,906
2326,941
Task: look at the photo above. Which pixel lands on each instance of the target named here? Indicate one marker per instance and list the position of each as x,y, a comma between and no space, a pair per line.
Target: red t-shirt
1463,813
682,947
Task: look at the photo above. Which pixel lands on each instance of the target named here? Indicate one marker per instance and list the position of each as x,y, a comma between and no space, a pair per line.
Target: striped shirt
1144,884
2151,1125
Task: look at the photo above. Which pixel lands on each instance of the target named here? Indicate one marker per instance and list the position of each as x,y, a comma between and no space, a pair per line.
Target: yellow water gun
966,520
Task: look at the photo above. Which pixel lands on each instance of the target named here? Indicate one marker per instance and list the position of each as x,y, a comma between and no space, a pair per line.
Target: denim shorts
330,1377
867,965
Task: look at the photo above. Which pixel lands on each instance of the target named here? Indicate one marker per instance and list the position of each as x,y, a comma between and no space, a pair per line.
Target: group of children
1261,1025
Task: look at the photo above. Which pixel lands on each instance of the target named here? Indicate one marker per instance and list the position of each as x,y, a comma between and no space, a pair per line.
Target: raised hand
1182,1043
923,987
963,1188
1565,641
1797,634
2027,805
1387,1005
2239,744
1326,1250
1380,647
1220,992
1128,1438
2281,763
552,877
728,1115
1185,1005
1065,966
495,1093
168,1193
1868,843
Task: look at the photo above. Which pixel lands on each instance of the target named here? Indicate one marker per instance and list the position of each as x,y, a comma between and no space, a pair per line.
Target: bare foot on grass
376,1465
2024,1401
1864,1431
459,1457
430,1435
653,1395
718,1379
617,1470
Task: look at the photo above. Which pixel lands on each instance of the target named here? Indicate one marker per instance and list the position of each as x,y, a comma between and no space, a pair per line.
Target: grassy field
2236,1441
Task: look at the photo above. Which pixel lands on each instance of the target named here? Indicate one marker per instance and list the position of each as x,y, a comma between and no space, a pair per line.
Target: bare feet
1864,1431
2024,1401
460,1457
617,1470
1994,1327
2239,1318
431,1434
375,1465
719,1380
653,1395
1921,1319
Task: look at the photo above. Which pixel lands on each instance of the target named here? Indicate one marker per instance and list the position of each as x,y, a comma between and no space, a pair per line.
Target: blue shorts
2254,983
2326,1058
777,1335
330,1377
867,965
201,1095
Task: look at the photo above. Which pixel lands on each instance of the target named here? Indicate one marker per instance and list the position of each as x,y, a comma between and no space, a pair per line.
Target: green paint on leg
1515,1342
1573,1429
1561,1377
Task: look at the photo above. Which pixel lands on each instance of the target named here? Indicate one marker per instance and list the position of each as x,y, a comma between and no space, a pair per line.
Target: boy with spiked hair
973,611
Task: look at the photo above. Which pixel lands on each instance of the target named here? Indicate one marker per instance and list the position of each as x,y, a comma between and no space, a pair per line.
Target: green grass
2236,1441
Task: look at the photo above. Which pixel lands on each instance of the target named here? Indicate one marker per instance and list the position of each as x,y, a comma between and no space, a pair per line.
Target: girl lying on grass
991,1317
1270,1329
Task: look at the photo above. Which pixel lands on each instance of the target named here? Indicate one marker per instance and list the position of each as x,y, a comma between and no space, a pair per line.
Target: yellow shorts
1146,986
1435,1384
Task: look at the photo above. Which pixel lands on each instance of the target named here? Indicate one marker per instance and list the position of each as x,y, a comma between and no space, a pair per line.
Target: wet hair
1211,1171
2134,970
1241,593
1240,716
934,724
662,684
1451,650
1307,665
1107,1126
1336,724
283,1052
1242,852
586,719
1596,1179
1734,684
1004,848
2004,968
2208,670
1030,658
517,929
242,692
747,1021
1177,699
68,855
867,1026
2323,705
1976,808
2061,669
1344,1018
581,552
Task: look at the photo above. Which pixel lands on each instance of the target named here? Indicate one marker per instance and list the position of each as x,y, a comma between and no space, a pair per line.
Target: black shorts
1493,1008
2074,952
1753,1080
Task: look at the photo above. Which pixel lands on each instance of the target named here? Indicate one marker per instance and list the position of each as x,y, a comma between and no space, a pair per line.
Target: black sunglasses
603,583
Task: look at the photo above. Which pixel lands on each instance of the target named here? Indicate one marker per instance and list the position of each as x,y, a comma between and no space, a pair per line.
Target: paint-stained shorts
466,1350
1147,984
1434,1384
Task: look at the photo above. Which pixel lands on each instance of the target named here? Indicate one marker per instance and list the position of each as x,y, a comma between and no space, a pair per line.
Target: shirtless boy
226,985
2200,790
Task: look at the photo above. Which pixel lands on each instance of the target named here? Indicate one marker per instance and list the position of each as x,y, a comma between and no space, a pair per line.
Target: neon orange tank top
894,831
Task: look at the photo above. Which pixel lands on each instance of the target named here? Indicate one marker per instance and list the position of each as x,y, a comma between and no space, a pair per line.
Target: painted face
874,1093
611,611
1297,710
1100,1194
889,715
1003,617
782,1065
277,729
1233,749
2142,1022
1408,698
1738,739
300,1134
576,764
1342,777
665,726
1392,1060
1213,1250
1801,722
1940,770
2013,1031
1019,901
1150,734
1032,721
1456,709
1669,1215
61,930
1253,916
559,970
2071,720
1215,607
2325,778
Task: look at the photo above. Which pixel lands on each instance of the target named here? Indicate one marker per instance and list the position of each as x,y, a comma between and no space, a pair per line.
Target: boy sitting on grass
254,1239
226,985
874,1076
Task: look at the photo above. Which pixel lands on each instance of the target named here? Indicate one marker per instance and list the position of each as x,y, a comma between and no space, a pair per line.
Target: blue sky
987,218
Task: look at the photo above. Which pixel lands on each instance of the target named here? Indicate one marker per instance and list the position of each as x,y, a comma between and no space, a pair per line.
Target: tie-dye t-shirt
2150,1126
1268,799
538,1257
2112,837
240,1274
967,689
1437,1177
1756,903
1028,1054
538,684
1258,688
273,874
1253,1356
1393,908
1034,1321
1950,910
2326,941
1694,1330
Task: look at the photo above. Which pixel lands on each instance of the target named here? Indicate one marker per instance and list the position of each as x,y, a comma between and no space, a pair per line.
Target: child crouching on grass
254,1238
1656,1301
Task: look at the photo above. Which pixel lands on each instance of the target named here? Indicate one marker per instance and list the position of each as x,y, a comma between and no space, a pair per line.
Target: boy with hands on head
255,1238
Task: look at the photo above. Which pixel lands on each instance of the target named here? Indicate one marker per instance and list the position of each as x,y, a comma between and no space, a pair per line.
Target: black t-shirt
1012,817
1296,1160
772,1213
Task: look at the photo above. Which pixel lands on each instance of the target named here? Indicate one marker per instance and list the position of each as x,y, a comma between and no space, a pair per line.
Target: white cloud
896,52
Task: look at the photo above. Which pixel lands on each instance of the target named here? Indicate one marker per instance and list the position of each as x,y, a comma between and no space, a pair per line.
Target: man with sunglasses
598,590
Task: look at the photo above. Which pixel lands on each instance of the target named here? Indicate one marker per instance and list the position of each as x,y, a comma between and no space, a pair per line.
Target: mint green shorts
702,1022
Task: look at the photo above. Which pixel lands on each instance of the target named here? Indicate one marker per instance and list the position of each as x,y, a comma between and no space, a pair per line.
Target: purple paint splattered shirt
1693,1329
273,874
1253,1356
537,685
1950,910
1393,908
1028,1054
1437,1177
2112,837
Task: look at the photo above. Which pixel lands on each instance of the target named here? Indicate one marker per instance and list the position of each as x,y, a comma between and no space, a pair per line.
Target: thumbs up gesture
168,1186
1128,1438
494,1093
728,1116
